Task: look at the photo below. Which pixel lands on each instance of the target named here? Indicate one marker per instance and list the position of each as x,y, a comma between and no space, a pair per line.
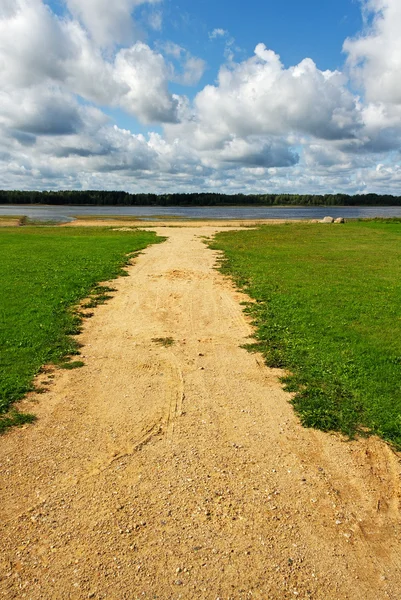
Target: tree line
120,198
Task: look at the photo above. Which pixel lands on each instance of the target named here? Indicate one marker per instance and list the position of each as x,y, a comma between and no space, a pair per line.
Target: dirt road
181,471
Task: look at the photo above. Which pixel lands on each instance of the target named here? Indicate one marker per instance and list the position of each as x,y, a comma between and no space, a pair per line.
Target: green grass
44,273
328,311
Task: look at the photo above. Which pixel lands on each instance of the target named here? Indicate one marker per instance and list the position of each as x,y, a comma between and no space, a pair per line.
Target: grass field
328,310
44,272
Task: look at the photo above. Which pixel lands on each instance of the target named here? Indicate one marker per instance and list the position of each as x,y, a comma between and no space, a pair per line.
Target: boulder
340,220
327,220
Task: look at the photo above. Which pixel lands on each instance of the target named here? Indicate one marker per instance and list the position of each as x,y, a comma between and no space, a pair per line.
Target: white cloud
374,63
253,152
146,75
53,51
32,45
374,57
216,33
174,50
188,69
58,52
109,23
260,97
40,112
155,20
193,70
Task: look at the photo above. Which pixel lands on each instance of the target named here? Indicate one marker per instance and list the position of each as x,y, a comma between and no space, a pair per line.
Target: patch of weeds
75,364
164,341
102,289
99,294
84,315
14,419
90,304
29,222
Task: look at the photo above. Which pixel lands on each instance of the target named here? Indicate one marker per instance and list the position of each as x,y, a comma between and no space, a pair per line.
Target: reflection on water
67,213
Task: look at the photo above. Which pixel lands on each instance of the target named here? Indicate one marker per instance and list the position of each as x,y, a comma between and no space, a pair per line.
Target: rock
340,220
327,220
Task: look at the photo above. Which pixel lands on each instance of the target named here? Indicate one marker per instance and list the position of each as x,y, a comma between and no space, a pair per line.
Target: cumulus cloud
46,112
109,23
53,114
41,48
374,63
258,153
374,57
260,95
59,51
53,51
145,73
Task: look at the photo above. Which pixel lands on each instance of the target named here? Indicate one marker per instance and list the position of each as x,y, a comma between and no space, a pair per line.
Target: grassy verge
328,310
44,272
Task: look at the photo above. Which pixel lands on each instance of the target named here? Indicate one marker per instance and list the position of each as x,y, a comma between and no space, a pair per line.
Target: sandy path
182,472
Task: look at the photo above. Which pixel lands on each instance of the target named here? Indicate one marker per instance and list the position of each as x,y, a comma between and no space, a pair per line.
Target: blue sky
294,29
172,95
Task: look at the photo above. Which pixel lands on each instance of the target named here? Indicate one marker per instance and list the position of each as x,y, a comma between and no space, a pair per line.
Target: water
64,214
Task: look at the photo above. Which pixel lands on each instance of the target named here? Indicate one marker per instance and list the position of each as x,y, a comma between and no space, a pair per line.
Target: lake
64,214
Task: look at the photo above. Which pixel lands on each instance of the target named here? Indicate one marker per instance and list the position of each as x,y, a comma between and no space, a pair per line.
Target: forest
121,198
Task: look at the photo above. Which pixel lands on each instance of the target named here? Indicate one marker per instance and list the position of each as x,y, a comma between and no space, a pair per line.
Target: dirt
10,222
179,470
124,224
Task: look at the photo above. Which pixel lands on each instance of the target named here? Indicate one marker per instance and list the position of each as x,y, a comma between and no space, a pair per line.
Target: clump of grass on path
329,311
44,272
164,341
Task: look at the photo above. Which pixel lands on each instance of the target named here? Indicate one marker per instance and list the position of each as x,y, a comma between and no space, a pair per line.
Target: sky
165,96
